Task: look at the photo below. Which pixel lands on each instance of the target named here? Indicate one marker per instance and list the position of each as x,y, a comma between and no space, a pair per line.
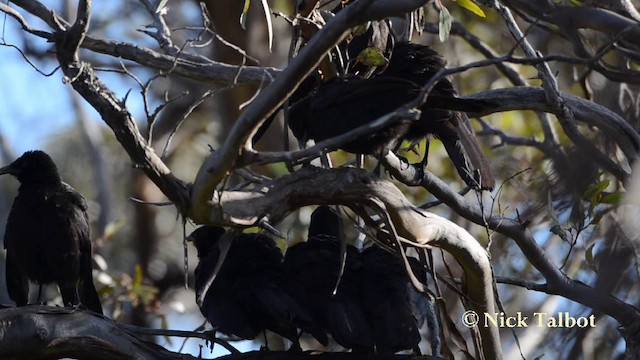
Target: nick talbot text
537,319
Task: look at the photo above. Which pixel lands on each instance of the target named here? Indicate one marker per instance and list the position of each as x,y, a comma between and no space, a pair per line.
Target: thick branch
184,63
45,332
115,114
590,113
581,17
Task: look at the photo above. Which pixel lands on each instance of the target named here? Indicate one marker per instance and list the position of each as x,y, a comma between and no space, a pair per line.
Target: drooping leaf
267,16
444,26
471,6
243,16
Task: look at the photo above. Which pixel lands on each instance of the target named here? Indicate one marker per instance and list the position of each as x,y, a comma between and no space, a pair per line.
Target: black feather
384,286
313,269
248,294
47,235
341,105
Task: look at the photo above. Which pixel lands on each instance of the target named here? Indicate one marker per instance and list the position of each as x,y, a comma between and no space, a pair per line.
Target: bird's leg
425,158
359,161
377,171
39,295
295,345
70,295
78,304
325,161
416,351
266,341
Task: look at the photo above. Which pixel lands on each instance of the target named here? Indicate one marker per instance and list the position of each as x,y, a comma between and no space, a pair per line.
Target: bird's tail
88,294
467,156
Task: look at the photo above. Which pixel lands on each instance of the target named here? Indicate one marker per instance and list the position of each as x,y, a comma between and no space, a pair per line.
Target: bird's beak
189,238
7,170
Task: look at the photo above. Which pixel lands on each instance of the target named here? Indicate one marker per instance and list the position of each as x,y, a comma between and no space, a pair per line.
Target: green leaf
267,16
595,220
372,56
361,29
471,6
113,227
243,17
613,199
593,192
444,27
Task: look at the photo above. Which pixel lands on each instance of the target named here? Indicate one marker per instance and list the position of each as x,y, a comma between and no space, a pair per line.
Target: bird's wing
78,224
350,92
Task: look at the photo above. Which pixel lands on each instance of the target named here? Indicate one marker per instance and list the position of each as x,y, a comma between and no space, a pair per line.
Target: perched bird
248,295
341,105
383,284
313,269
47,235
419,63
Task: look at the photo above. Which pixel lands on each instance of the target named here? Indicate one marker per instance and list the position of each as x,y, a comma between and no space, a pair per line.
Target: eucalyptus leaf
243,16
471,6
444,26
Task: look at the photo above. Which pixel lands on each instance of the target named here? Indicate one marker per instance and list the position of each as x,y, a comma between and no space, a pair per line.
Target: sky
32,107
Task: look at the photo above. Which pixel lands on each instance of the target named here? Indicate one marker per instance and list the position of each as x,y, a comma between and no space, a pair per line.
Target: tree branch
46,332
590,113
181,63
219,163
113,111
557,282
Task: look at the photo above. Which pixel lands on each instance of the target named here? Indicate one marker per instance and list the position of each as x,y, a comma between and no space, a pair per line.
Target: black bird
313,268
248,295
341,105
419,63
47,235
383,284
